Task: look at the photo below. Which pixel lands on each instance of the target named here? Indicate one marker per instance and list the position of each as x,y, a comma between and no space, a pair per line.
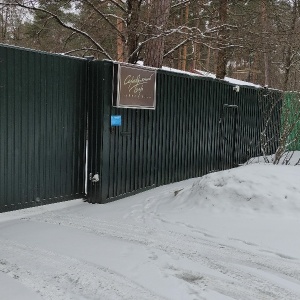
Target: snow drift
251,188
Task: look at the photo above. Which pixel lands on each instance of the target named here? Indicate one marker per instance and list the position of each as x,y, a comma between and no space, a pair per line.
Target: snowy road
146,247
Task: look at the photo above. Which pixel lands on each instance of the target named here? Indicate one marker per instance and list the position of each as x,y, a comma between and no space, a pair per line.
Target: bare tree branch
117,4
176,47
82,49
106,19
180,3
32,7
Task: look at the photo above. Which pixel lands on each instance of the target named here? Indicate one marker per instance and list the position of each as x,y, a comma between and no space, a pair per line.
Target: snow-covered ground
228,235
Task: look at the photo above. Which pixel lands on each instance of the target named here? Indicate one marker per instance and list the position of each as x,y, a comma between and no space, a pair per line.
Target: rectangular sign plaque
136,87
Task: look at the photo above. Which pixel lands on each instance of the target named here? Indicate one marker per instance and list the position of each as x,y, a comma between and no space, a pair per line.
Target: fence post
99,111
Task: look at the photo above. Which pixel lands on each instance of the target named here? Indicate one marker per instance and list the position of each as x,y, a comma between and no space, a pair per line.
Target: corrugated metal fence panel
123,157
96,116
42,128
270,106
247,136
199,125
291,106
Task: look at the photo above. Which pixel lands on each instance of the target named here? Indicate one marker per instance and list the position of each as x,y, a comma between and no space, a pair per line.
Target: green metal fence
42,128
48,103
200,125
291,119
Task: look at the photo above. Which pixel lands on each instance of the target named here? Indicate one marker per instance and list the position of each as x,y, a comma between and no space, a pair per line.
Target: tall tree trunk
287,67
289,53
184,51
208,58
154,48
4,20
179,65
222,53
265,50
133,13
196,53
120,44
255,68
196,57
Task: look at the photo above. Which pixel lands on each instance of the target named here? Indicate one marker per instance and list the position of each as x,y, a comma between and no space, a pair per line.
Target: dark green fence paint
291,99
42,128
49,102
200,125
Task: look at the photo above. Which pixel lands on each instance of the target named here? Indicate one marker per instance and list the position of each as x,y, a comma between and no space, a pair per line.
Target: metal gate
42,128
199,125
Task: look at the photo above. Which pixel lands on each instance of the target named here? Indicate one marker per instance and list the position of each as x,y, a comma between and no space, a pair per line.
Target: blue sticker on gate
115,120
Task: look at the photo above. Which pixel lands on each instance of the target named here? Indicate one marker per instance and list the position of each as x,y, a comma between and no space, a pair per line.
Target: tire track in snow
59,277
234,280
